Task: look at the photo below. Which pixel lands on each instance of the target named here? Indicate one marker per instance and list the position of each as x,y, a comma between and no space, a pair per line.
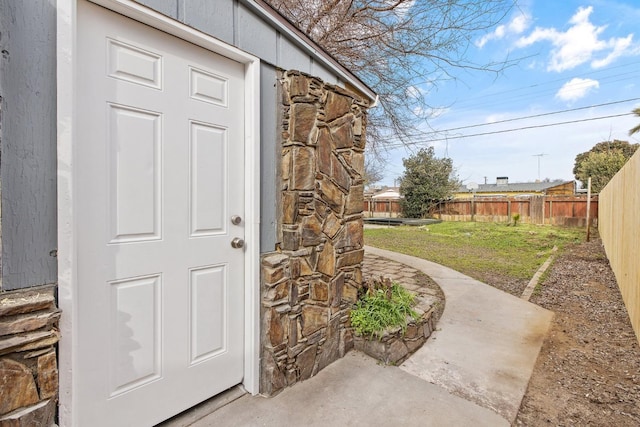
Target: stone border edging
395,346
528,291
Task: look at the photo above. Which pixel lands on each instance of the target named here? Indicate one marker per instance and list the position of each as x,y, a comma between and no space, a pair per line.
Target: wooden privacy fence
556,210
388,208
620,232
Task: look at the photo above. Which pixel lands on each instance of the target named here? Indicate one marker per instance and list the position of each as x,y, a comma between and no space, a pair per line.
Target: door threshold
205,408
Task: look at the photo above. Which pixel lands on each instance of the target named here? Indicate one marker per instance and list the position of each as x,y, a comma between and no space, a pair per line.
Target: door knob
237,243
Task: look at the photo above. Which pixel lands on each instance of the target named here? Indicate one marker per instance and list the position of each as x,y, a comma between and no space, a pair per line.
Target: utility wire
438,132
539,115
509,130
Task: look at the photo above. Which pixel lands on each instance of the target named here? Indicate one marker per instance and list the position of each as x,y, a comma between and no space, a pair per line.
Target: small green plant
516,218
382,304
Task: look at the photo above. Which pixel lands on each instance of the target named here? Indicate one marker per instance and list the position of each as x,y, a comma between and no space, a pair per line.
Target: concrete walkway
473,370
486,342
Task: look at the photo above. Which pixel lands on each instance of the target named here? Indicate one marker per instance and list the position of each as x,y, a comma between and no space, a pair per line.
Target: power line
509,130
539,115
540,89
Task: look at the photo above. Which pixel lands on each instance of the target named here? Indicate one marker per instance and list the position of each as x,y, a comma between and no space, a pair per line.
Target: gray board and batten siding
28,116
28,142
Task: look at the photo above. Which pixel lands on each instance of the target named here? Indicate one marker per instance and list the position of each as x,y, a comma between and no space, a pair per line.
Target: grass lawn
502,256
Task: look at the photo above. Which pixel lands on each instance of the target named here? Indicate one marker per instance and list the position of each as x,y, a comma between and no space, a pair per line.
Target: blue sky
574,55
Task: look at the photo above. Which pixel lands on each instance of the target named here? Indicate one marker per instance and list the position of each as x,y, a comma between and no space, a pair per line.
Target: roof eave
303,41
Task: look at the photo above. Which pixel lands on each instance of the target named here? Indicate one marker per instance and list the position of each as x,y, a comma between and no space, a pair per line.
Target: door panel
159,173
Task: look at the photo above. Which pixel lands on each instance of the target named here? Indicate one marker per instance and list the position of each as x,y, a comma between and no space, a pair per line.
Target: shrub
380,306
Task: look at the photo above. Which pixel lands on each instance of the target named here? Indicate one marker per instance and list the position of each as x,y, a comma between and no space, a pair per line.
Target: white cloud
579,43
620,46
576,88
517,25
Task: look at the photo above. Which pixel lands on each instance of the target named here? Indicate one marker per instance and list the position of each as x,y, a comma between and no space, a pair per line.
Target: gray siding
256,37
269,157
28,142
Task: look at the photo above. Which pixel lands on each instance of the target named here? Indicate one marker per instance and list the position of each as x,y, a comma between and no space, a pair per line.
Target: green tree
635,129
601,167
623,147
426,180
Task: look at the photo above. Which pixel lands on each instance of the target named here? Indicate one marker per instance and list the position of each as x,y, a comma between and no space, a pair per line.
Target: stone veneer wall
28,361
310,283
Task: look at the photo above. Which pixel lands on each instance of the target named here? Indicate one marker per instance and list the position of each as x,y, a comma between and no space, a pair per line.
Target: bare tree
373,170
398,47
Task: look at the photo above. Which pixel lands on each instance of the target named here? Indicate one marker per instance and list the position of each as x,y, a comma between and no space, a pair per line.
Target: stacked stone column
310,282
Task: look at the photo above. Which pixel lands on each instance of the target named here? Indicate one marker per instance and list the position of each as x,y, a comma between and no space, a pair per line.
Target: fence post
588,207
473,210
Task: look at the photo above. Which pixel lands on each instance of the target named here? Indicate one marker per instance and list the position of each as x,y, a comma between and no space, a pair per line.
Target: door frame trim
67,69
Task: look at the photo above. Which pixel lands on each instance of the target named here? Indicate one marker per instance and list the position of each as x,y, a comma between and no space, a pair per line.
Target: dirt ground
588,371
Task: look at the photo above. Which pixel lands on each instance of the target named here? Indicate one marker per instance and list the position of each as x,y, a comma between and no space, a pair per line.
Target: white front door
159,161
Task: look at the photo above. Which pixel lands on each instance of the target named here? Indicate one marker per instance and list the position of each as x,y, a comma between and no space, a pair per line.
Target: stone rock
337,286
327,260
274,260
313,319
276,332
272,275
325,146
28,322
311,231
305,268
293,331
330,350
319,291
357,126
331,194
331,226
27,302
278,292
286,165
293,296
337,106
272,379
290,240
350,294
294,268
351,258
346,341
303,170
298,86
352,237
397,351
289,207
373,347
17,386
340,174
303,119
413,345
47,375
40,414
355,200
412,331
292,377
28,341
357,162
306,361
342,132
